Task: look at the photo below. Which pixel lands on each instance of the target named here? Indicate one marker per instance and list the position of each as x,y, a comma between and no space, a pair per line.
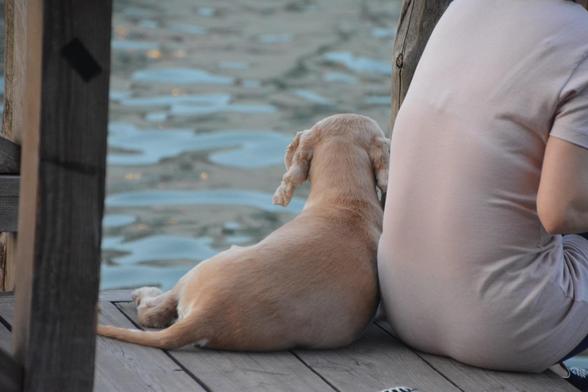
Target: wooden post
13,99
417,21
10,374
66,52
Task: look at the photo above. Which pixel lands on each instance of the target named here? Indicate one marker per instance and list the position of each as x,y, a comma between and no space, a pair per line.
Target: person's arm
562,200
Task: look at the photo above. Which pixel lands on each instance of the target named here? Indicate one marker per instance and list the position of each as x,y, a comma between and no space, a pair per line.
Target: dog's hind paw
144,292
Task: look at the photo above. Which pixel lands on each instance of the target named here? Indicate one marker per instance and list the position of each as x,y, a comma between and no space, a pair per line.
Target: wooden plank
125,367
5,339
119,295
122,367
9,188
480,380
14,70
13,380
474,379
67,61
7,305
375,362
418,18
7,261
243,372
10,373
15,55
9,157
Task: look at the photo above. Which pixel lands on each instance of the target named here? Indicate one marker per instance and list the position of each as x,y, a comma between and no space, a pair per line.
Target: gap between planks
373,363
473,379
171,357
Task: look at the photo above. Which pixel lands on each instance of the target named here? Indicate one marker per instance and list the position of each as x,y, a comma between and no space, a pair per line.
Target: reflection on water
157,248
204,100
312,97
242,148
195,105
135,276
117,220
360,64
127,44
179,76
259,200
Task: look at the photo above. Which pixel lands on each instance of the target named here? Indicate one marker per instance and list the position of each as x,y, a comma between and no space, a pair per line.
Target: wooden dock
375,362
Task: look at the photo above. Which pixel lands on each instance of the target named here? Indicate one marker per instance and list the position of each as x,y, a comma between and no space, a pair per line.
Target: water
204,100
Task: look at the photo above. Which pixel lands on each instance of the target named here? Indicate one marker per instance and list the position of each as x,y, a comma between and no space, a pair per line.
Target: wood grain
418,18
472,379
481,380
125,367
5,339
118,295
14,101
243,372
10,373
375,362
9,189
8,382
62,193
9,156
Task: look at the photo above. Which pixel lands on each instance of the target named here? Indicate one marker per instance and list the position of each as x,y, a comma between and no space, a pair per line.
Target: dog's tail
177,335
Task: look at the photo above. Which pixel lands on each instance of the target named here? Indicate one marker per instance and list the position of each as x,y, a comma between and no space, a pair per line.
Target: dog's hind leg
154,308
181,333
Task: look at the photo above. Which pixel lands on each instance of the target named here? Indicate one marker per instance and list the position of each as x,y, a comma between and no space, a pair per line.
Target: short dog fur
312,282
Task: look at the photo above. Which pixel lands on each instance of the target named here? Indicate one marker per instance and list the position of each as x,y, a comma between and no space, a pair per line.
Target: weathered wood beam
418,18
9,190
14,57
10,373
9,156
66,46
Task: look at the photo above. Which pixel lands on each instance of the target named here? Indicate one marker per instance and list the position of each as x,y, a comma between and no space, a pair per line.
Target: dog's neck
341,173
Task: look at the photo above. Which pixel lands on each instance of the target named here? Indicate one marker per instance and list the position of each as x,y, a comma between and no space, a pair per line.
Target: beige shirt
466,268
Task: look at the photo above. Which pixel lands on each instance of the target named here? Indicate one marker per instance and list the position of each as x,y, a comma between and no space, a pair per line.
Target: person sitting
488,168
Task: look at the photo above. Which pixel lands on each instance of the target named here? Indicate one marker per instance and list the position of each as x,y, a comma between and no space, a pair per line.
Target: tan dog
310,283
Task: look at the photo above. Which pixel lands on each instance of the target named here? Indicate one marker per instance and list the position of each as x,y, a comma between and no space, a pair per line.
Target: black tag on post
81,60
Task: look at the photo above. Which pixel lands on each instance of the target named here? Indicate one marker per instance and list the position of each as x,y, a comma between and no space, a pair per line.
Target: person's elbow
560,217
553,223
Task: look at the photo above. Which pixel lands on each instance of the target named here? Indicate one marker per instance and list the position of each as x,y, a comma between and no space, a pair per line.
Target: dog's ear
291,149
379,153
297,161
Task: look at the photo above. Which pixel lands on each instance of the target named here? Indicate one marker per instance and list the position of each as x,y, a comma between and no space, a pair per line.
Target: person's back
466,267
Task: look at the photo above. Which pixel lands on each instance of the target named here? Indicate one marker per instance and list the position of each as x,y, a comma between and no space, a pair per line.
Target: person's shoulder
574,18
567,26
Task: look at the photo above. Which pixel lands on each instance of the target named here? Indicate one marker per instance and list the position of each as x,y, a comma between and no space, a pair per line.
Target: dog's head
354,128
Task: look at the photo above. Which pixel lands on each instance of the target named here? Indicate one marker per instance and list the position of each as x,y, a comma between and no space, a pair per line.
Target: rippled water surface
205,96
